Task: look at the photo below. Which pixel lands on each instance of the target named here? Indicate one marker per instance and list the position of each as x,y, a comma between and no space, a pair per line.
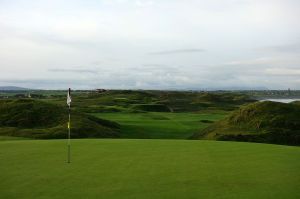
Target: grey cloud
72,70
288,48
155,65
216,76
287,72
177,51
156,70
222,39
41,37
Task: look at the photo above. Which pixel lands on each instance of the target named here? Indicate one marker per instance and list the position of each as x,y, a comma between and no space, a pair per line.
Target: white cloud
246,42
283,71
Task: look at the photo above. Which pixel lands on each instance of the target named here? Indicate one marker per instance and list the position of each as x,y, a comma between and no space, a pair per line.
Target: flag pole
69,137
69,126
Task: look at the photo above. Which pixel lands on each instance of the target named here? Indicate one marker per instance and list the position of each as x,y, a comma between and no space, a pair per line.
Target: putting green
152,169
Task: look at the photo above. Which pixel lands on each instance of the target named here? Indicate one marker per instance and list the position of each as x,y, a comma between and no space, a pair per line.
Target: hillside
270,122
38,119
13,88
296,102
156,101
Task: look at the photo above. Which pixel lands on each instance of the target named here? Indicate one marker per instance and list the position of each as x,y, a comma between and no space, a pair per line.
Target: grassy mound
148,169
26,113
154,101
296,102
270,122
37,119
198,101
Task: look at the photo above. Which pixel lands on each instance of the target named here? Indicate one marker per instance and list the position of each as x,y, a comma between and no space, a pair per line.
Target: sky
150,44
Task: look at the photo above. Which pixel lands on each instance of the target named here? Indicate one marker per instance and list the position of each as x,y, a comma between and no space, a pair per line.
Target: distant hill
38,119
13,88
235,88
270,122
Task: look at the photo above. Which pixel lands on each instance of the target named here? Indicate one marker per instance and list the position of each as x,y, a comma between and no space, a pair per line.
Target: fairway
148,169
160,125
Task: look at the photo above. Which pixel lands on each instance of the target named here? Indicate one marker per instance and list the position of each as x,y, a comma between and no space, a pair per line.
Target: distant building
20,95
100,90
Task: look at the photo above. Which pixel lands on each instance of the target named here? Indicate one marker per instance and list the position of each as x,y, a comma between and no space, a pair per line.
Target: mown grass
161,125
4,138
147,169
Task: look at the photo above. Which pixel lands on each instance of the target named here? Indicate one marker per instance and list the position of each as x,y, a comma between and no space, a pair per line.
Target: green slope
161,125
270,122
38,119
147,169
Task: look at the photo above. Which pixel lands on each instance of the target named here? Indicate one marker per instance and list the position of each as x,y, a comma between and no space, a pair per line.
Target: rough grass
39,119
166,101
270,122
161,125
147,169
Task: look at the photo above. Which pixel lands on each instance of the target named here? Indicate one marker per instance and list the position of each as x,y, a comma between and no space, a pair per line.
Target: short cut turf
147,169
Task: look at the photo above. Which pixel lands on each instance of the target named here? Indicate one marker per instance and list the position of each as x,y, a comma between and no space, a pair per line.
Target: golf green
152,169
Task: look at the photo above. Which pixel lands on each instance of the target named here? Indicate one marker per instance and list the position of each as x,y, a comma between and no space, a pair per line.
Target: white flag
69,100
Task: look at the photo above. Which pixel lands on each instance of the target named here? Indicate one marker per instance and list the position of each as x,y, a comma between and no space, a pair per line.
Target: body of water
285,100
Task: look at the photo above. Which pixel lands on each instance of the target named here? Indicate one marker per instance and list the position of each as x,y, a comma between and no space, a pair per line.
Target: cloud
178,51
72,70
143,3
283,71
185,77
288,48
252,62
282,61
137,44
155,65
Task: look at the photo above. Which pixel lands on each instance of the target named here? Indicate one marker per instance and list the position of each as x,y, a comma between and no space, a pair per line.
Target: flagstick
69,125
69,136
